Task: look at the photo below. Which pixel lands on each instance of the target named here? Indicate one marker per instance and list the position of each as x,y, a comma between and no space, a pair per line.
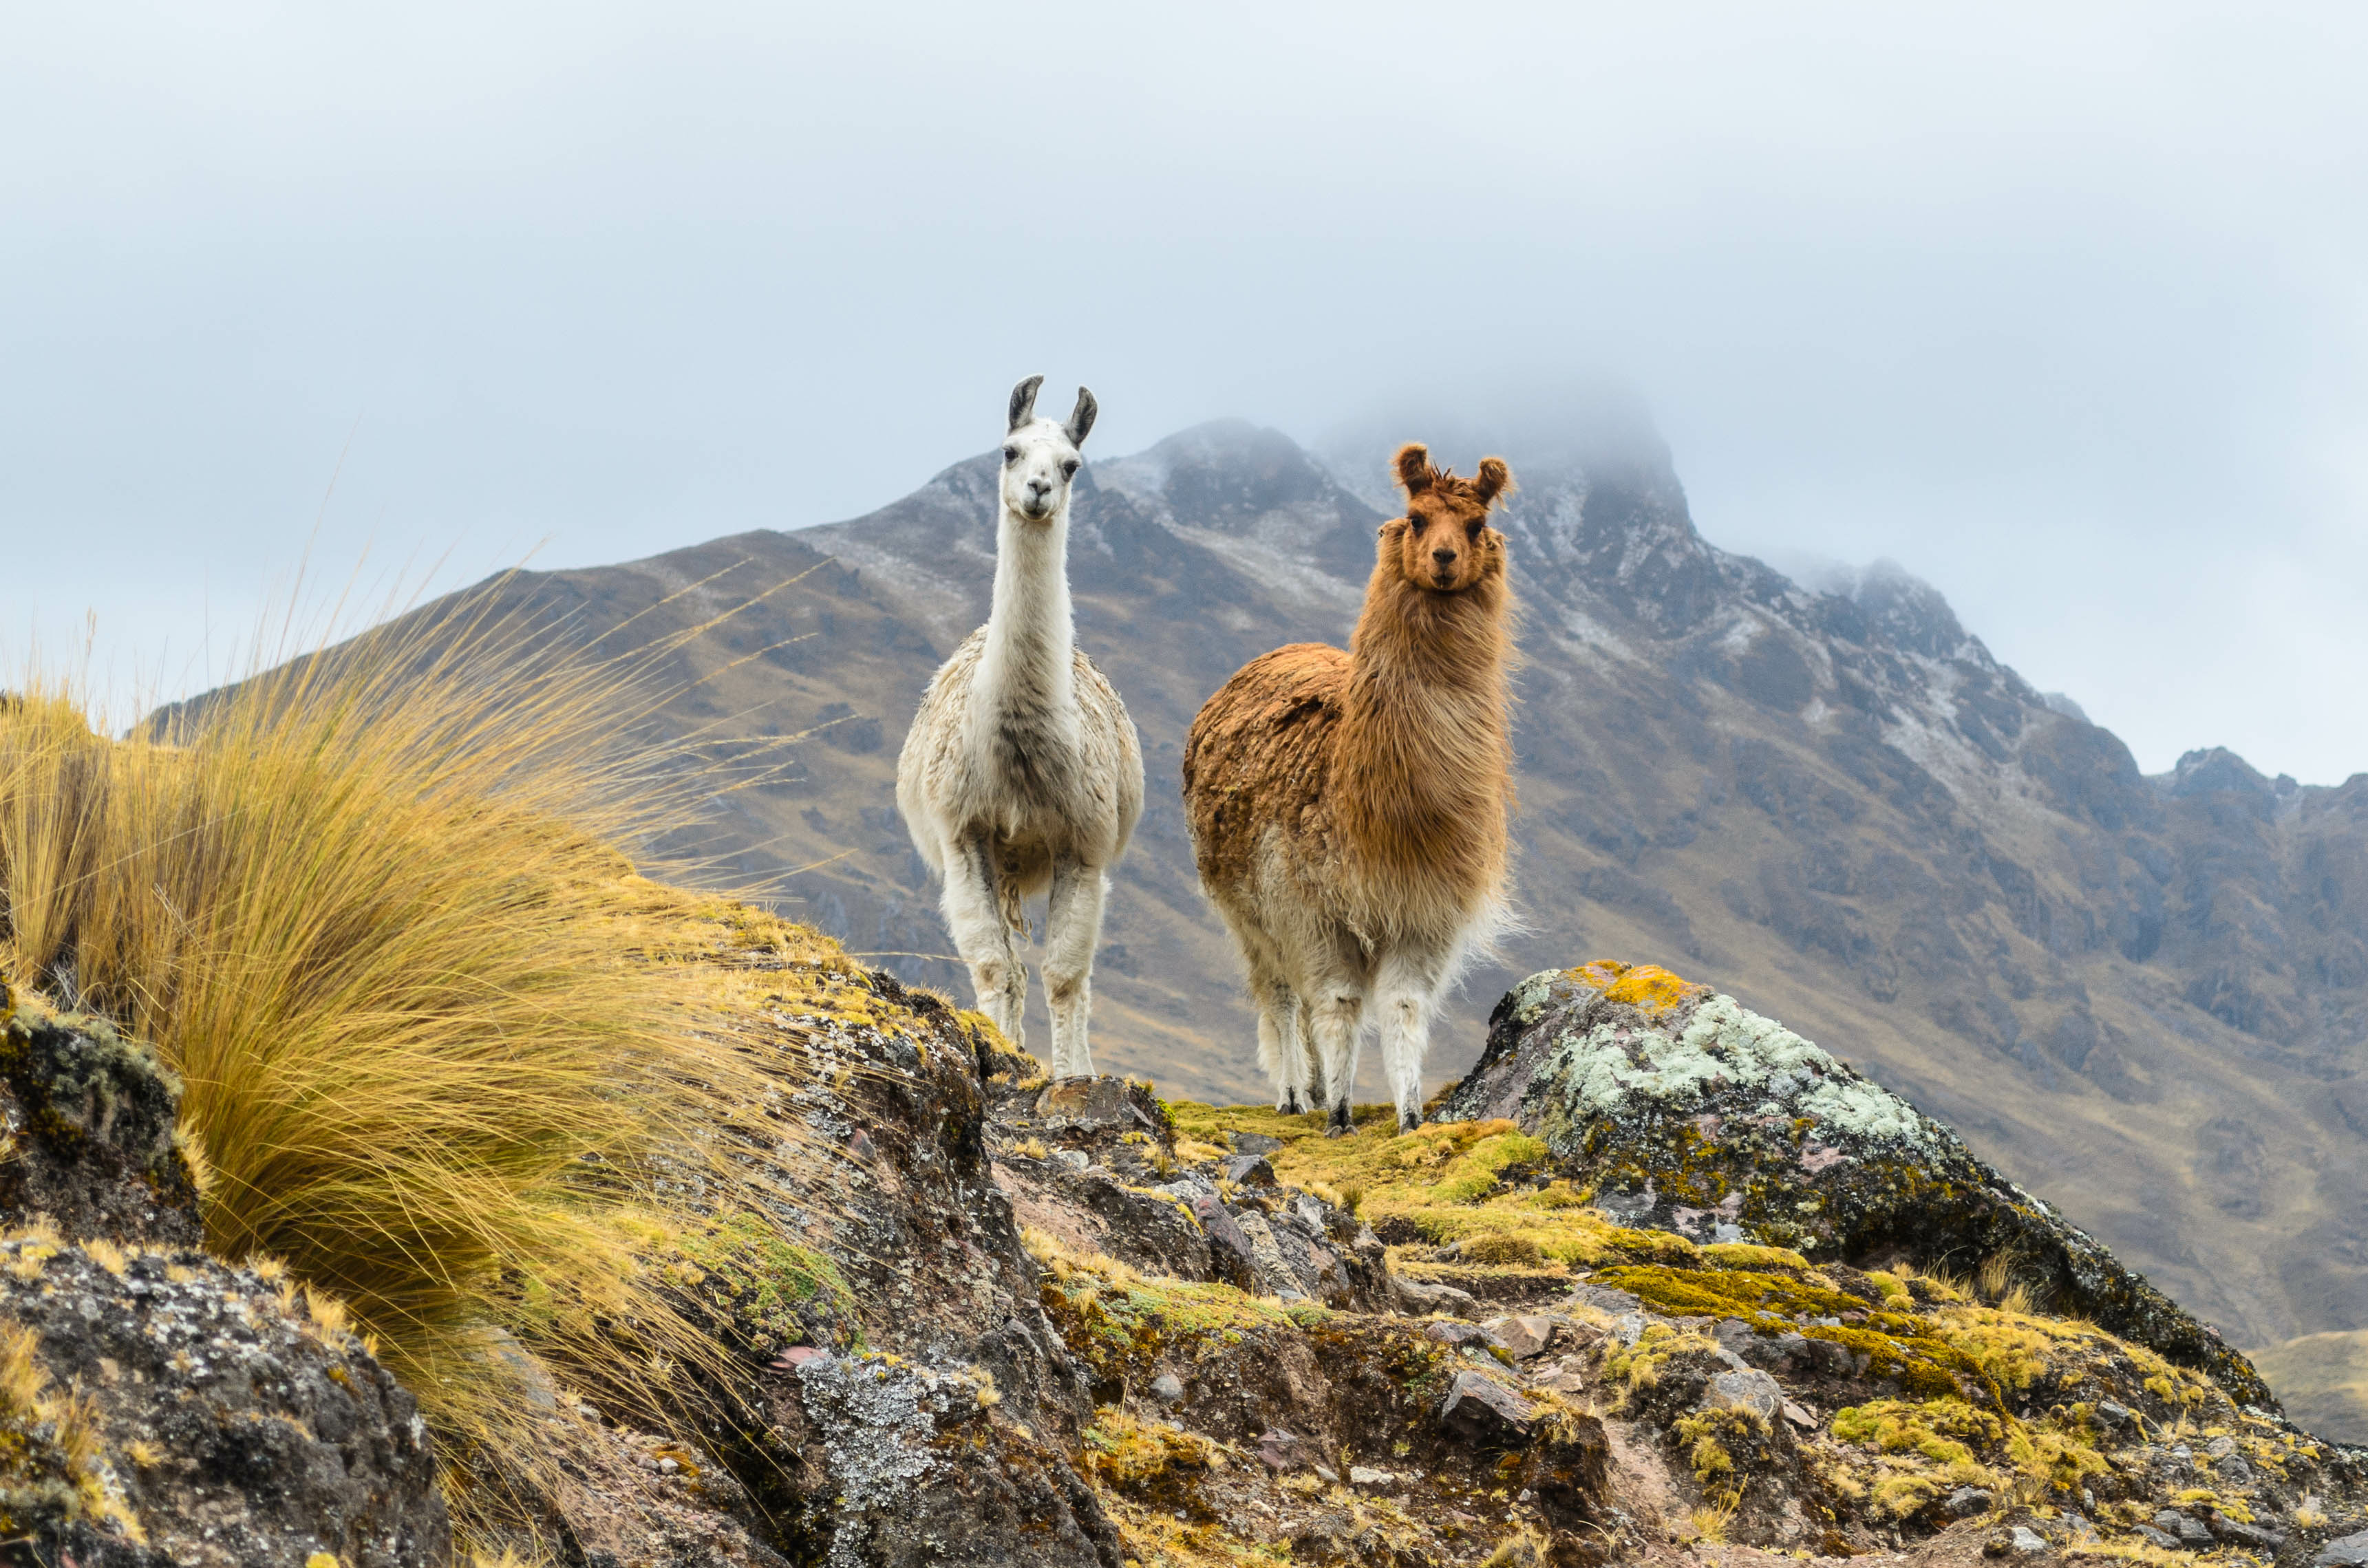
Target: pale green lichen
1723,1043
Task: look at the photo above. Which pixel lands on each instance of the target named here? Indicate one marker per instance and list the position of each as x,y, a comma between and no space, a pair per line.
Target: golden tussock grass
369,905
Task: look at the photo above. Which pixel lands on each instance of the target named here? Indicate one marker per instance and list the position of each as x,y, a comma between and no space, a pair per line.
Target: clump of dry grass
1711,1520
368,904
2001,1288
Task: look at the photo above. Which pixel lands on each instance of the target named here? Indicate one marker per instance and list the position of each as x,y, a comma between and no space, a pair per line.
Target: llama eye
1069,469
1011,454
1472,532
1416,521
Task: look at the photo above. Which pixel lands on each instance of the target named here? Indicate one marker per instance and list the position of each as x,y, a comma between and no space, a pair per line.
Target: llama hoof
1290,1106
1408,1122
1340,1125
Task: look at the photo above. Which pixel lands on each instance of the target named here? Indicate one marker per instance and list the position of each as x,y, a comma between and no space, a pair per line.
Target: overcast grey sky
2063,307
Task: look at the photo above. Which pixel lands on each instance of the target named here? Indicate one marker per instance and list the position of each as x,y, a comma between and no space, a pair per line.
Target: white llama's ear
1023,400
1082,420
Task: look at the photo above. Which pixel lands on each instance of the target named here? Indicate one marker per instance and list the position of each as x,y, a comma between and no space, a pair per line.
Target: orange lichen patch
1644,985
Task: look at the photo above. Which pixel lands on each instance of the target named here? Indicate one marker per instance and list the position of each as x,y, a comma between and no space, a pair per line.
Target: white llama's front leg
1073,927
1407,996
983,938
1338,1014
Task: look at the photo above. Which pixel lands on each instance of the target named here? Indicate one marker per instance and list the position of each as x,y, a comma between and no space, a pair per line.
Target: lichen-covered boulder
1685,1111
86,1130
159,1407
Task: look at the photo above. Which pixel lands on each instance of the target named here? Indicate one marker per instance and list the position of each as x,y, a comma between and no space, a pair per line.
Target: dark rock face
156,1405
195,1412
1684,1111
902,1398
1092,1161
86,1121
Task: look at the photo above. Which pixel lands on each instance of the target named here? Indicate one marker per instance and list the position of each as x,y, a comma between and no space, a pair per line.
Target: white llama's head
1039,457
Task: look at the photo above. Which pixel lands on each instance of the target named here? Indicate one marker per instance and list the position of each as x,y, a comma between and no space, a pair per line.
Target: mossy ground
1949,1384
780,1293
1125,1324
1485,1185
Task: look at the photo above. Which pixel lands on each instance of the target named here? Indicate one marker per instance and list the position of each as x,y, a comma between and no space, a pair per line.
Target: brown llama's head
1444,543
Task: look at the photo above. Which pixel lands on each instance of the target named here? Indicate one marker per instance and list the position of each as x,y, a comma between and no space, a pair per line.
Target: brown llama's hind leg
1339,1016
1284,1048
1308,1053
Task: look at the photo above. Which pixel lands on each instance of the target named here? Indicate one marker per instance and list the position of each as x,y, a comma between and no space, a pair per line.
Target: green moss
1125,1451
1129,1329
1895,1345
1927,1446
1716,1441
1766,1300
1638,1366
2055,1452
1467,1182
783,1292
1944,1431
1745,1254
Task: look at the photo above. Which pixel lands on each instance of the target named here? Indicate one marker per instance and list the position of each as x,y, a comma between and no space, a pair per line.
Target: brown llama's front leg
1405,993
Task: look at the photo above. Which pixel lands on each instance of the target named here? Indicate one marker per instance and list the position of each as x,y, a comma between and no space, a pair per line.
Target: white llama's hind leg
1406,994
975,913
1338,1013
1073,926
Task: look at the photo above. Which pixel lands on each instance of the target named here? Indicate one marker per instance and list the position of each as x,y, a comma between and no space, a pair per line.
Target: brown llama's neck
1424,748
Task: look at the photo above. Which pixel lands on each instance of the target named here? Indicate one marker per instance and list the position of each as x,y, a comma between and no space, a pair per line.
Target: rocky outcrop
86,1130
1682,1111
992,1319
900,1397
1093,1163
157,1405
164,1408
1741,1392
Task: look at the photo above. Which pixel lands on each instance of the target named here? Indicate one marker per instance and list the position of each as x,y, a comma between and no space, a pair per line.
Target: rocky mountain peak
1907,612
2216,770
1227,474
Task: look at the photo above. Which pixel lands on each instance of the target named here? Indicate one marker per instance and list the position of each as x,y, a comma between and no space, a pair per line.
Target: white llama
1023,772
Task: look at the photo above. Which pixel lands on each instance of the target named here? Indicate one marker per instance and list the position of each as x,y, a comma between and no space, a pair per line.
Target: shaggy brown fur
1350,808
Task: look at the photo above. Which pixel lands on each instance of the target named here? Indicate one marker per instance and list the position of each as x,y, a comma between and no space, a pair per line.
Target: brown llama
1348,810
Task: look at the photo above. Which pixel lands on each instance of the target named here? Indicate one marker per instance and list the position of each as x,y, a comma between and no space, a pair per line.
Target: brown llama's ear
1495,480
1413,463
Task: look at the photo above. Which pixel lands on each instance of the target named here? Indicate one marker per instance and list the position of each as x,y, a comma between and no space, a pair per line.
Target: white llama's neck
1028,661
